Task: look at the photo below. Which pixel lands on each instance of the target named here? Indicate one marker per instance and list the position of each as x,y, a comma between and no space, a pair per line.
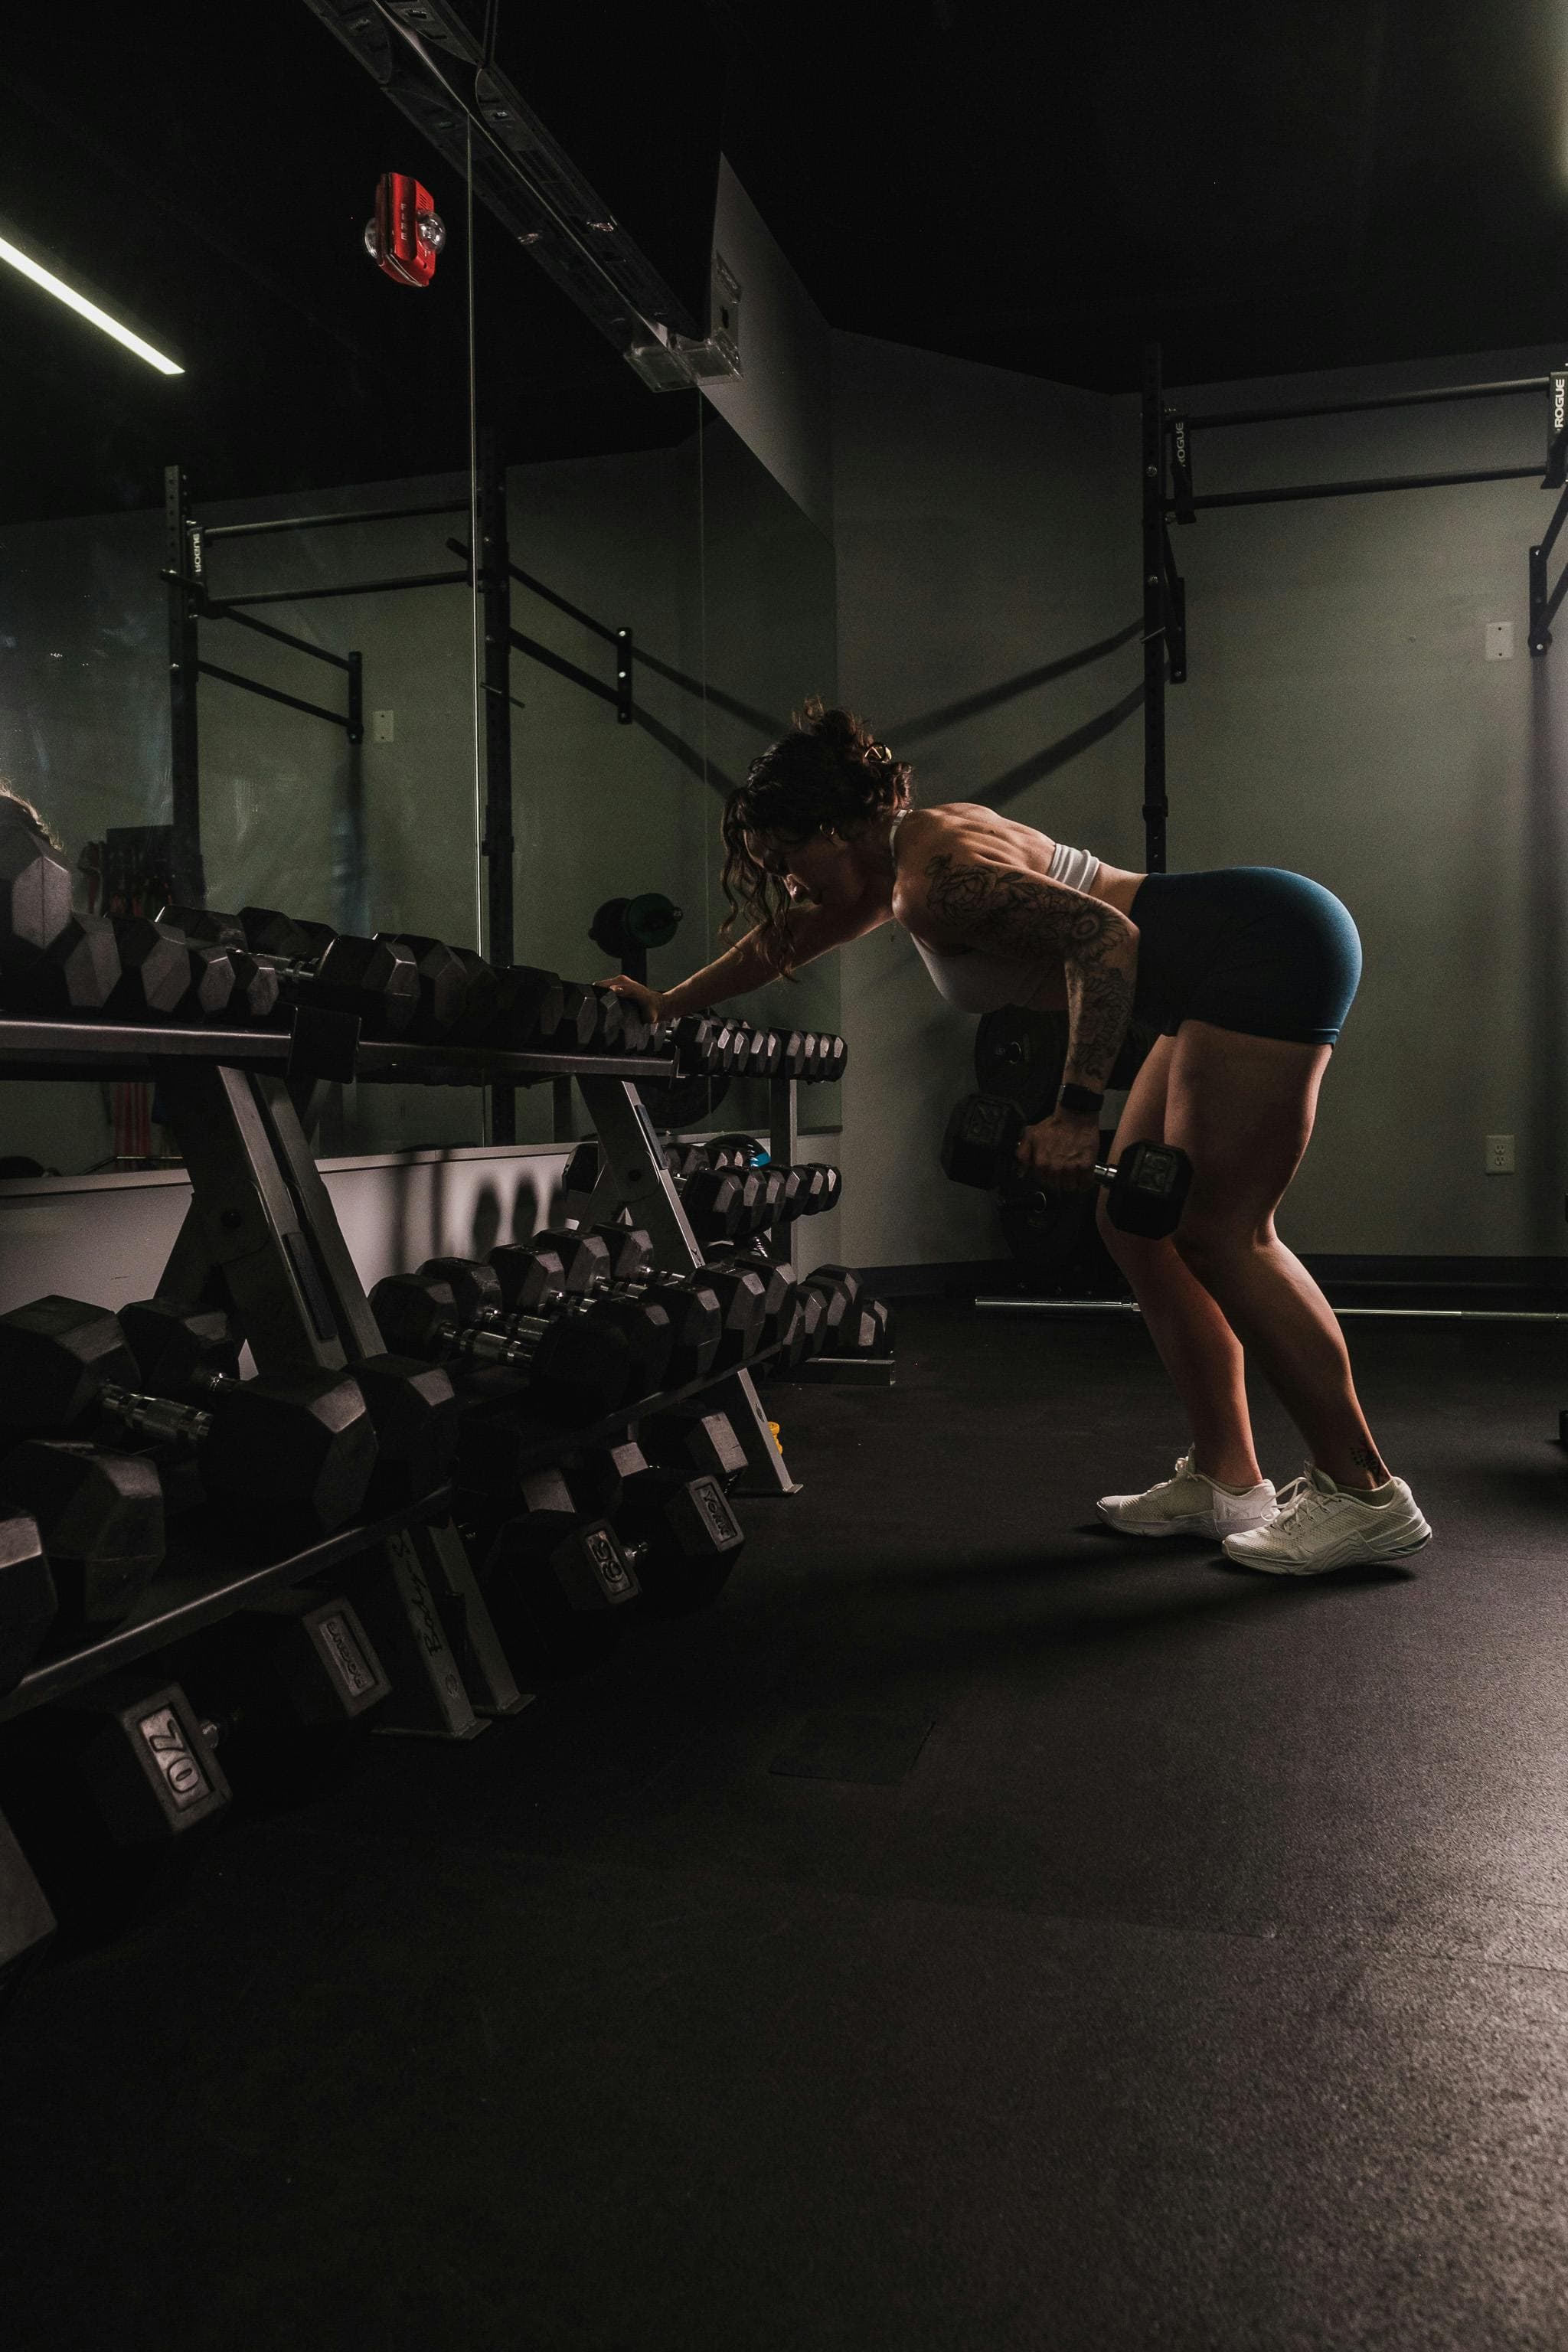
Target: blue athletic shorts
1250,948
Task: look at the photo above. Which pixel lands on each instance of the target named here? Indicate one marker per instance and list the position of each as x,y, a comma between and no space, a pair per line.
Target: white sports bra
975,979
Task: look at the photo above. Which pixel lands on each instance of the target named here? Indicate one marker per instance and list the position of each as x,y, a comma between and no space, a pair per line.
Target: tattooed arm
1002,907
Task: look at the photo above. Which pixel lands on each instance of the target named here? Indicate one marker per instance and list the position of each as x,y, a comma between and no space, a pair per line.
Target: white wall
782,403
109,1237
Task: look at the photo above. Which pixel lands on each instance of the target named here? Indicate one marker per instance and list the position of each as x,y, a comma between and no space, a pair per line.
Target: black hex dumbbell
73,977
570,1361
806,1334
284,1690
719,1202
781,1298
412,1405
557,1579
616,1261
1147,1191
34,891
519,1007
742,1296
532,1274
99,1521
697,1438
704,1043
480,1298
304,1446
840,1288
680,1532
870,1328
29,1598
375,980
447,987
111,1792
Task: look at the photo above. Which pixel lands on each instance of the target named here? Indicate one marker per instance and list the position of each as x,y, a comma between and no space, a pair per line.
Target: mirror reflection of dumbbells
709,1043
1146,1192
196,964
573,1548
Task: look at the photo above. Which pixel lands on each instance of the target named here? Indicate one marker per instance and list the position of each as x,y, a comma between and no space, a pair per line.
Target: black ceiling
1266,188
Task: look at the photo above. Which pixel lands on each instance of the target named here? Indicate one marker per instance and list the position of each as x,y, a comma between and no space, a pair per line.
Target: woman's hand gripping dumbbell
1147,1189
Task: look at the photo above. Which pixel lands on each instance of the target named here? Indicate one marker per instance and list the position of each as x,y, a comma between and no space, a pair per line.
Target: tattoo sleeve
1017,913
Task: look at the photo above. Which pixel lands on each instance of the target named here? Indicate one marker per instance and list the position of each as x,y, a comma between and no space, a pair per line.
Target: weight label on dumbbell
608,1566
714,1504
416,1594
346,1655
166,1743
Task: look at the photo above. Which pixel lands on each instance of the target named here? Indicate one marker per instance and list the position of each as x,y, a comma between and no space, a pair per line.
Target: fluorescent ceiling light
86,309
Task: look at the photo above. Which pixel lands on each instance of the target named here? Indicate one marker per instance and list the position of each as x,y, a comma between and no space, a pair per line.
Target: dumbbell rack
261,1239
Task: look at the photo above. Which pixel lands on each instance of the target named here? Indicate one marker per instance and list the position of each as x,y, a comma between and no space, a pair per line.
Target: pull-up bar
1213,419
1347,490
324,521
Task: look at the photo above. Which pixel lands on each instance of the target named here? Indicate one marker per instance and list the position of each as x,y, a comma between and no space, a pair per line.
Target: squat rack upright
1166,456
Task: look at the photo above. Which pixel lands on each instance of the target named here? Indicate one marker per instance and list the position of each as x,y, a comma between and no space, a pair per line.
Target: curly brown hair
13,805
828,774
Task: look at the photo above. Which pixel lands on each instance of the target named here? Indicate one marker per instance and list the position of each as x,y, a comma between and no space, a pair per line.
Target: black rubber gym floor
977,1932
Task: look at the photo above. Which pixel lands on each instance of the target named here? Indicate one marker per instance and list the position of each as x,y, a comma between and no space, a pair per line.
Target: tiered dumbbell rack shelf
206,1575
262,1239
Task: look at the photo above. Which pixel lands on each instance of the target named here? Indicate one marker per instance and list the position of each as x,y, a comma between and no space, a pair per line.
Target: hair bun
840,728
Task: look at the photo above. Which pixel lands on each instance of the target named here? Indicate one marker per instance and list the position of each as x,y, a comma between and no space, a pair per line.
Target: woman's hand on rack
649,1001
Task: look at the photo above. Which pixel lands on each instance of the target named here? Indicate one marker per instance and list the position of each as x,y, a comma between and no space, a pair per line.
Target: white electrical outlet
1499,641
1499,1155
381,726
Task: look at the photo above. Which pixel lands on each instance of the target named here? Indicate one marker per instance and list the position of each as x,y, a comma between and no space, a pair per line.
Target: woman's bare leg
1242,1109
1194,1342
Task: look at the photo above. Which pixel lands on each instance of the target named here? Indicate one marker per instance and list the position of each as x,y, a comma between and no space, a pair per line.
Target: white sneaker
1188,1504
1319,1526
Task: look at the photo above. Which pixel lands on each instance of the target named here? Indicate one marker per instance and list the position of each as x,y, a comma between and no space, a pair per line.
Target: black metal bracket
181,573
624,713
1543,600
1152,449
494,585
1176,616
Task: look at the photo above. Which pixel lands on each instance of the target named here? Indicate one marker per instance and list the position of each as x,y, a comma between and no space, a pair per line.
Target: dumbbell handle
514,1338
159,1416
511,1340
156,1416
1102,1175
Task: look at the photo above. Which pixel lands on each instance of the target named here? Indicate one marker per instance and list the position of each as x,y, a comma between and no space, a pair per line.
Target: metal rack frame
261,1239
